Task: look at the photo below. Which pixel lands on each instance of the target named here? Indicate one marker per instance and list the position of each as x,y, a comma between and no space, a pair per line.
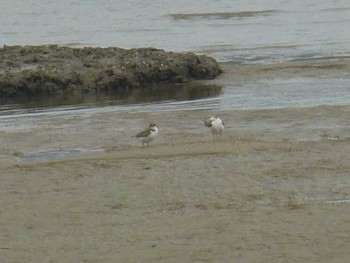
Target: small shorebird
216,125
147,135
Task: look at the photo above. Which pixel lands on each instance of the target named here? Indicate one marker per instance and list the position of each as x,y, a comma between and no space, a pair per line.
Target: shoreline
274,186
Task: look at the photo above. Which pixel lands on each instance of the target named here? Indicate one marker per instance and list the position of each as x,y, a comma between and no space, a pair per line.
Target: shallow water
283,93
55,154
262,94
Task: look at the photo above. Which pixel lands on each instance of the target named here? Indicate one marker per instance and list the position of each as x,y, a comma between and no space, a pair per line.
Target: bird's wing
144,133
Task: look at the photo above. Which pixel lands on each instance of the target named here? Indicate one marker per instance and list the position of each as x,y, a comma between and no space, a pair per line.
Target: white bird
216,125
148,135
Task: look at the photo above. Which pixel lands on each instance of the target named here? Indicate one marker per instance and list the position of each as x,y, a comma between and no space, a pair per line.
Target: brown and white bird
216,125
148,135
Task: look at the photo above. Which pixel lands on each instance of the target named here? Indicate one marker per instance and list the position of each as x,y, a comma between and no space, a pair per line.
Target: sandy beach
274,188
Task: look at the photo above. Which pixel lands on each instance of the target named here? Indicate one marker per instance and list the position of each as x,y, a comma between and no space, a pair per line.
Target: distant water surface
243,31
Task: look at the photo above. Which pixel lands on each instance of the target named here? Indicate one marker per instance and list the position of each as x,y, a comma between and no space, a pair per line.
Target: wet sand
274,188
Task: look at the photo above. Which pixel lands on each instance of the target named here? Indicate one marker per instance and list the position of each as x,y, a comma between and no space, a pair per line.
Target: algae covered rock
48,70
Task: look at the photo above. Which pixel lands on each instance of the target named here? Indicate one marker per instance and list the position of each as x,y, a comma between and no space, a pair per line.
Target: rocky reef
48,70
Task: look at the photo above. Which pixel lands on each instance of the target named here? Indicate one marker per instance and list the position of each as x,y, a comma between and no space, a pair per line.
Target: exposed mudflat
273,188
316,68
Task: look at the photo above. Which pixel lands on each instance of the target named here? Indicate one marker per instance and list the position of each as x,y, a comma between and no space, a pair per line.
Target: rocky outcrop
48,70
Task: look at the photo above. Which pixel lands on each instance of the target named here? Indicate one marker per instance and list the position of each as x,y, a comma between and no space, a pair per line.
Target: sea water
238,32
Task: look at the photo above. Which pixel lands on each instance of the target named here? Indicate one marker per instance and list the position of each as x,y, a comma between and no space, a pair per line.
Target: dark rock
49,70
